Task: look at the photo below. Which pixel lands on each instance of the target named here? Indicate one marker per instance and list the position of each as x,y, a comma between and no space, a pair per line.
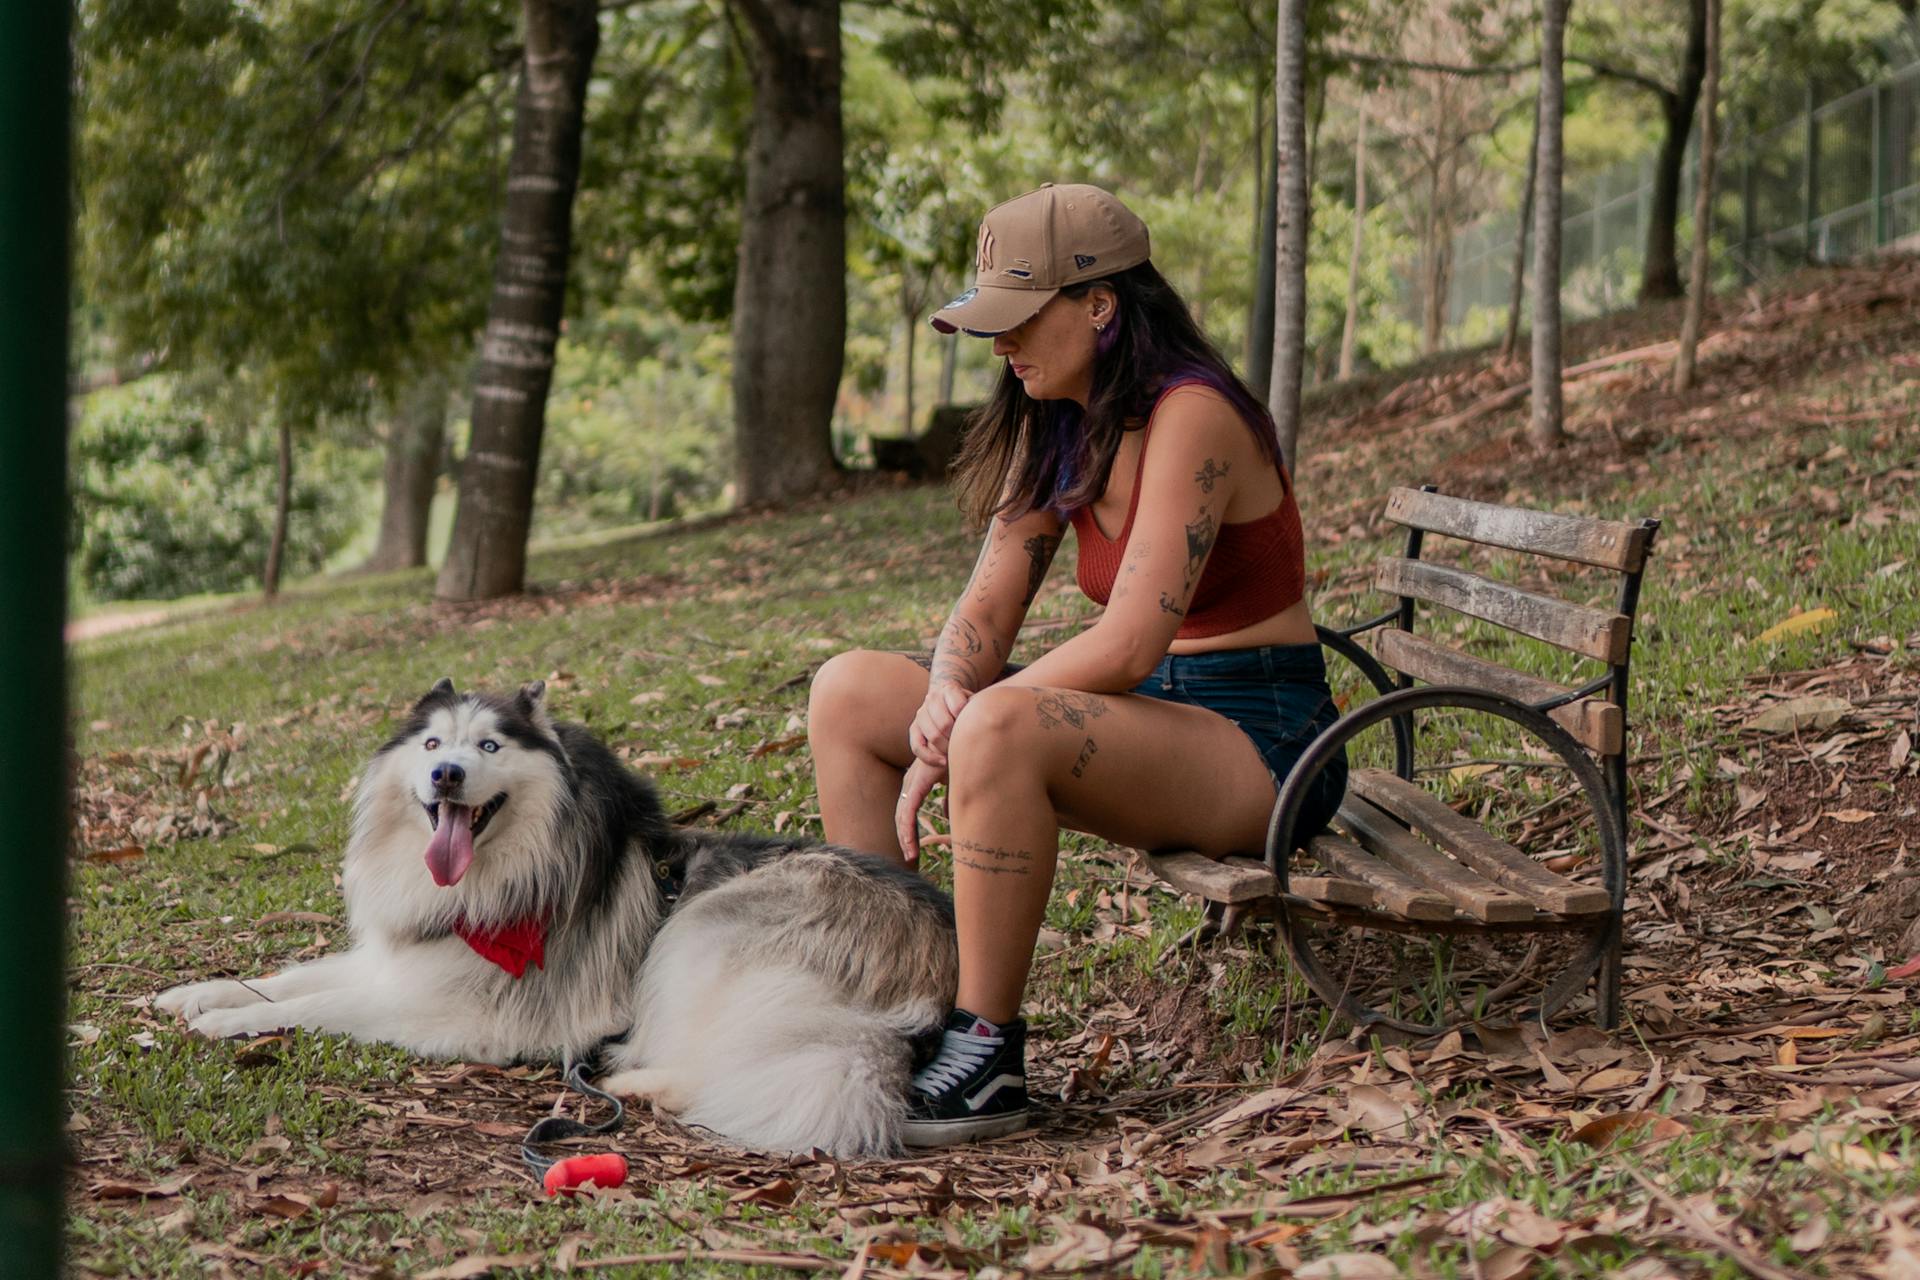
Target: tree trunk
488,554
1290,235
1511,341
1260,321
1660,269
1545,428
1690,329
282,508
949,354
790,302
1349,332
414,440
913,325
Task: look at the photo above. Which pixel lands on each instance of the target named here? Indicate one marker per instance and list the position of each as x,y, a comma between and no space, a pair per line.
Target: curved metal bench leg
1607,981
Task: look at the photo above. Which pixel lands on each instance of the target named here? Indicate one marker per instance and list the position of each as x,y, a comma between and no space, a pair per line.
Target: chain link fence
1840,180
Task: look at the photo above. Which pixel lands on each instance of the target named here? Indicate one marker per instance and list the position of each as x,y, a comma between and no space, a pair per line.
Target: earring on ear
1100,327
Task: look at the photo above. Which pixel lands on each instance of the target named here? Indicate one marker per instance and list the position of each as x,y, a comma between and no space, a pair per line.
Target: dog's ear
533,696
442,688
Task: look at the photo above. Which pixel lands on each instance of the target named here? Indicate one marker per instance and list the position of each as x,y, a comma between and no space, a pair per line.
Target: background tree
1698,286
790,300
1349,328
1290,237
276,191
1544,426
488,554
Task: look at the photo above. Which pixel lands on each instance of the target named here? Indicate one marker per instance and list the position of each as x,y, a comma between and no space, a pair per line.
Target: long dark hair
1022,454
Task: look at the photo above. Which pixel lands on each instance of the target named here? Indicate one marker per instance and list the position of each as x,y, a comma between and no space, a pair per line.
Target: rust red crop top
1257,568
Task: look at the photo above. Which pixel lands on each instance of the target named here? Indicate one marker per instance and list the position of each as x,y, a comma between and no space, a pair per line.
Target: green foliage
168,502
639,423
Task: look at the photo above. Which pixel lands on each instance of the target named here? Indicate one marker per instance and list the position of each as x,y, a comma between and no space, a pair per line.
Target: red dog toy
569,1175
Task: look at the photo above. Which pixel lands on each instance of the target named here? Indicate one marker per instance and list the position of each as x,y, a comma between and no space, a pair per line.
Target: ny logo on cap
983,260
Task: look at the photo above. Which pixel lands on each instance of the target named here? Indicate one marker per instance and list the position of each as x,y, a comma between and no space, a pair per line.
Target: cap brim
990,310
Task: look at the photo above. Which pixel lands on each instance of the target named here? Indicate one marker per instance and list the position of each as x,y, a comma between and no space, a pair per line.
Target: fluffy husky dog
514,891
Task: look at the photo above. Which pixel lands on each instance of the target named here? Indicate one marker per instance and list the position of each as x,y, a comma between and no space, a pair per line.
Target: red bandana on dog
512,946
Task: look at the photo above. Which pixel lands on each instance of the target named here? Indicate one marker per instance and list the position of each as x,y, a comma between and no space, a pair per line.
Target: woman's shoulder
1199,413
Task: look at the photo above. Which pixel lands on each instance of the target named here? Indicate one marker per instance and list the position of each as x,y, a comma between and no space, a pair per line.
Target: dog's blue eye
488,744
431,744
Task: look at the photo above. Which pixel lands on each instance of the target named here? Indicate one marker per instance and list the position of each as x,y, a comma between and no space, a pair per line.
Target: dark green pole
34,197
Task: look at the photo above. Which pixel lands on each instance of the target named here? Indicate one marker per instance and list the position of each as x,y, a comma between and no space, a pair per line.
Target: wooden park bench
1401,861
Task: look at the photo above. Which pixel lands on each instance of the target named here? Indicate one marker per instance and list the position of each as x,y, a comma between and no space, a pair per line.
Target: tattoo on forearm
1200,538
984,563
992,860
1088,750
1137,553
953,659
1040,549
1211,474
1069,707
1169,605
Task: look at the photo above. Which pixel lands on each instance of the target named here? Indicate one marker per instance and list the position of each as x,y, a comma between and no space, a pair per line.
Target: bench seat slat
1468,841
1596,633
1478,897
1595,723
1605,544
1399,892
1224,880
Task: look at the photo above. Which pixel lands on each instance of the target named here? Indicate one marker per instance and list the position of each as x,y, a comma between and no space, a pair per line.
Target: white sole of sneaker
947,1133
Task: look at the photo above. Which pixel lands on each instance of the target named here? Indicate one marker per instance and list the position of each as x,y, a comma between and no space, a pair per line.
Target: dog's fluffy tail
778,1061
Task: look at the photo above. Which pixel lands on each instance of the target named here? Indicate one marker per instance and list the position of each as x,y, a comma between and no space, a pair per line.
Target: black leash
560,1128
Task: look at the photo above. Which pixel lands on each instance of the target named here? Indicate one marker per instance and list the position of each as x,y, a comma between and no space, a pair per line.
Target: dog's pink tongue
450,852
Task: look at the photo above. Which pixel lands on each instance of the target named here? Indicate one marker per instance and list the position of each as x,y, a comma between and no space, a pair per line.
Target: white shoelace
961,1053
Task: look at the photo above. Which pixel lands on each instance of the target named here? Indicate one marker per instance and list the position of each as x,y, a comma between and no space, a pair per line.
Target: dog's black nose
448,776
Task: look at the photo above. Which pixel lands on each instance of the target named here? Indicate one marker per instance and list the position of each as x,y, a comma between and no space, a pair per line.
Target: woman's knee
852,693
995,733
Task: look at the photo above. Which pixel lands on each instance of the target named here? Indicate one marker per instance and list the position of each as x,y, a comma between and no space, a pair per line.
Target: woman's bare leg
858,712
1134,770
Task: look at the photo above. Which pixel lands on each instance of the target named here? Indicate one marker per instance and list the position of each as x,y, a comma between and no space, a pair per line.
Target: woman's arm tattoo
1211,474
1040,549
953,657
1201,535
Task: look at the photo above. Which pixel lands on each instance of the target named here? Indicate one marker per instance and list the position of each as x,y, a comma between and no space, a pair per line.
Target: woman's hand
920,780
933,723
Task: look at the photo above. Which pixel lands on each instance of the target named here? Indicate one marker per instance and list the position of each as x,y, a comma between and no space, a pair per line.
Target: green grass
723,621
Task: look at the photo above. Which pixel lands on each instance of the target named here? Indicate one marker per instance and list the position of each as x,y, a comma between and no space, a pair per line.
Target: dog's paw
196,998
651,1084
249,1020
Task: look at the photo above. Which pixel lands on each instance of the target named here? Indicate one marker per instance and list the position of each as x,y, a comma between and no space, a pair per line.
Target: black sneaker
975,1087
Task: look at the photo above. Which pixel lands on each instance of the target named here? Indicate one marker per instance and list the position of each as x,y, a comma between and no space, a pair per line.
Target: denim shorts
1278,696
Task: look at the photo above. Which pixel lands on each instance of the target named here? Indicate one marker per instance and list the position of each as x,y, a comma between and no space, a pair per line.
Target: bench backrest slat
1605,544
1594,633
1595,723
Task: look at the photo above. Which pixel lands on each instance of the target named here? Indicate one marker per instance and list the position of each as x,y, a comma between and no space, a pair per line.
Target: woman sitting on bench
1170,722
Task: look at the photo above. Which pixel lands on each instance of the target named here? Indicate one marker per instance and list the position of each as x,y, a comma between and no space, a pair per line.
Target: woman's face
1052,354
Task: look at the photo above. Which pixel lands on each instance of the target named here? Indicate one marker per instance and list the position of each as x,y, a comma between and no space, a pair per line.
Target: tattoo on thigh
1069,707
1040,549
1211,474
1088,750
992,860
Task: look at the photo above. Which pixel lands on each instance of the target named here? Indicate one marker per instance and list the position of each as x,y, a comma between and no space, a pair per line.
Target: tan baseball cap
1034,245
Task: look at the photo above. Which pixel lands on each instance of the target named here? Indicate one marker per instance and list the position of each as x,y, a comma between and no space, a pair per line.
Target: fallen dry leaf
480,1264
